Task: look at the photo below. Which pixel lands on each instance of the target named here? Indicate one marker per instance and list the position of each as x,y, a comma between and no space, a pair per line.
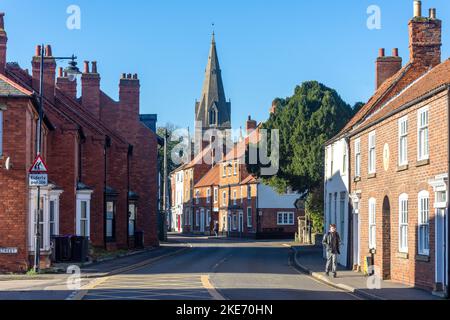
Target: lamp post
72,72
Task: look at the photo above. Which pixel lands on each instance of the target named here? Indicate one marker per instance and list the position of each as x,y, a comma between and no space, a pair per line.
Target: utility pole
165,188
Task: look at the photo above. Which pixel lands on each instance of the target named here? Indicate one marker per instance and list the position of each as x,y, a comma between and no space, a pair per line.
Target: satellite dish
8,163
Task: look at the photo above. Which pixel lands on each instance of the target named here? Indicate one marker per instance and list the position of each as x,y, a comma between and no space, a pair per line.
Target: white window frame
132,233
208,195
224,174
344,159
84,195
287,218
234,197
423,234
197,196
235,168
216,195
224,198
358,158
249,192
372,223
423,147
403,141
403,209
372,156
47,195
249,217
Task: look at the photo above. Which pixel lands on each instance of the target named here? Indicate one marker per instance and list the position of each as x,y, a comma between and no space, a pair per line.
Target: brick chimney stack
90,89
49,72
129,94
3,43
69,88
251,125
386,67
425,37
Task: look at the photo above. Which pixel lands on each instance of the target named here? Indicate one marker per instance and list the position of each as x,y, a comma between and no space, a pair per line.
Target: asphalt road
218,269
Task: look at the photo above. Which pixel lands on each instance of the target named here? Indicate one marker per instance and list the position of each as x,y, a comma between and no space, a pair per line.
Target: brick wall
393,182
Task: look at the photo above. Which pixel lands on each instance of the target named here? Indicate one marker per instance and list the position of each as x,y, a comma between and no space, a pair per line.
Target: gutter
402,108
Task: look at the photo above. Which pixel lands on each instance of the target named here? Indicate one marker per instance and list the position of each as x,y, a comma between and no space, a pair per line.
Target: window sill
402,255
372,176
422,258
357,179
422,163
402,168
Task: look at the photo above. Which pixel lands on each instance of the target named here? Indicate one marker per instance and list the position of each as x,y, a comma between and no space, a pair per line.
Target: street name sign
9,250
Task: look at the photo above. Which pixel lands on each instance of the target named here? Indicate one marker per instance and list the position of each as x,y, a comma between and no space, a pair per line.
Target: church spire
213,111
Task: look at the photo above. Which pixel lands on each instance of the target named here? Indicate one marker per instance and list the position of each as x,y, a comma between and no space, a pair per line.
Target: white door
202,220
241,221
441,239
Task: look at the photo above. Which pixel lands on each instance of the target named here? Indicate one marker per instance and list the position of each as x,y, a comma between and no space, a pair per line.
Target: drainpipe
130,150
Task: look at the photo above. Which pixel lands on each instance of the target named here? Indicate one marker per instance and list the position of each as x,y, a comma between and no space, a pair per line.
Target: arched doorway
386,236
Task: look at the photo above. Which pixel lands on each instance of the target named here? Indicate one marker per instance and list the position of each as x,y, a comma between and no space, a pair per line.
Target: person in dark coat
332,244
216,229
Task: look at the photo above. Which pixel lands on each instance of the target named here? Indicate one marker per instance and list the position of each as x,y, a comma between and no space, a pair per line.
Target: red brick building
102,161
398,160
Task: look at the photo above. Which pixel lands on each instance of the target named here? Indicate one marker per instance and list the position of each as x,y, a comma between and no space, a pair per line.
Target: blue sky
265,48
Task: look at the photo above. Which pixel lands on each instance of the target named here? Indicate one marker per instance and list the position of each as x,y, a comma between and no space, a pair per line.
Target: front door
441,236
178,223
202,220
386,236
241,222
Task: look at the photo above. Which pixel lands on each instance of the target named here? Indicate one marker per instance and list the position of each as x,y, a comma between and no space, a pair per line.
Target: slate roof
9,88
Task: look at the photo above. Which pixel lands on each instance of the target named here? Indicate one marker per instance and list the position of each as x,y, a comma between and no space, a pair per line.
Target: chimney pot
2,21
86,67
124,75
417,9
433,13
38,51
135,76
94,67
129,76
48,51
381,52
395,52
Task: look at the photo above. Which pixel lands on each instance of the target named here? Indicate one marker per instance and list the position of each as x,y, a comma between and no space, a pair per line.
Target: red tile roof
389,89
437,77
212,178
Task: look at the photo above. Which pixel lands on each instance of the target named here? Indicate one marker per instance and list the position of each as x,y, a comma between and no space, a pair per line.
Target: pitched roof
389,89
199,159
437,77
211,178
250,179
9,88
239,149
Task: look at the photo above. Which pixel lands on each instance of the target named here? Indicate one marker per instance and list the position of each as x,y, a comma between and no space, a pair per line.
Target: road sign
38,180
38,166
9,250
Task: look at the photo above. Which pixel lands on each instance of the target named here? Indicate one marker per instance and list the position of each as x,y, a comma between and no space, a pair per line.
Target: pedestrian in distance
216,229
332,244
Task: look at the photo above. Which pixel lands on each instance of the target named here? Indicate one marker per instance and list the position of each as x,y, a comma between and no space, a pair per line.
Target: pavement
310,260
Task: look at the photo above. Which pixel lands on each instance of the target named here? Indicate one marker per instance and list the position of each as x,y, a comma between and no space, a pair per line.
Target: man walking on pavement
332,243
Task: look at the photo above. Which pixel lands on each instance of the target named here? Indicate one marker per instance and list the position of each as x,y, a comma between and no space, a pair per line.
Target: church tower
212,112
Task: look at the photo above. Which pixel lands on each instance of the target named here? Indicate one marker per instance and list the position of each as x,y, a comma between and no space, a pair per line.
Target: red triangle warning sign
38,166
